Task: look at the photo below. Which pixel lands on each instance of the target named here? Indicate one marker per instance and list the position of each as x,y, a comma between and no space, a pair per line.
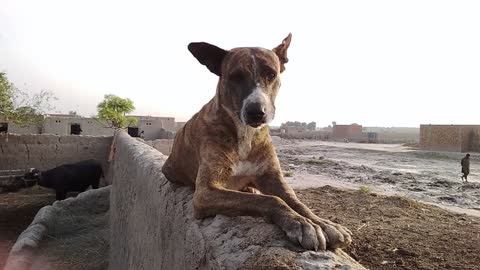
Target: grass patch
365,189
433,155
319,162
288,173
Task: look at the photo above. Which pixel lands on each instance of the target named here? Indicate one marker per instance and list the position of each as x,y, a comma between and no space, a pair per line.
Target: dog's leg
235,203
210,199
272,183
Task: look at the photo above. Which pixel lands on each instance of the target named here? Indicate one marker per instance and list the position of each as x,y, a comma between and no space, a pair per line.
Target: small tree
22,109
312,126
113,110
6,95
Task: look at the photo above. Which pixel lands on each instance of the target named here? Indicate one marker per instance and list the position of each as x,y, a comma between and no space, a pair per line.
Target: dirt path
431,177
399,233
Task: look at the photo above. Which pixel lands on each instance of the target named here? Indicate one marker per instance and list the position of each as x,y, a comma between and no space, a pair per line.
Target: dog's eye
271,76
237,77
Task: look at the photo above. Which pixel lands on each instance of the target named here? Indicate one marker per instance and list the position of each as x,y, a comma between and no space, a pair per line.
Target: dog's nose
255,112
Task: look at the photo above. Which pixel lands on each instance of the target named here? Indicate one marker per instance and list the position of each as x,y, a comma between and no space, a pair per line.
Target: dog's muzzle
255,114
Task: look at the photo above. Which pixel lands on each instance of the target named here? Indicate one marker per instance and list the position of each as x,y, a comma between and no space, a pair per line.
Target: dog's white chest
247,168
244,149
245,136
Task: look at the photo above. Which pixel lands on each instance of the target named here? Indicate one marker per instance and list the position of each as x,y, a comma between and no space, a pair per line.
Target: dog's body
225,150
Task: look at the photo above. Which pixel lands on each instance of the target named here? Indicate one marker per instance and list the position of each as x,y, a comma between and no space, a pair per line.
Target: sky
375,63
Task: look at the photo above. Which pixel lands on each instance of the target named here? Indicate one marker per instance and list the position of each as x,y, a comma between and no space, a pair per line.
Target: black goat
69,177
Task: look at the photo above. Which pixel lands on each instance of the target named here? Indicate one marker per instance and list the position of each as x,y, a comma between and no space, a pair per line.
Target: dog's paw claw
337,235
308,234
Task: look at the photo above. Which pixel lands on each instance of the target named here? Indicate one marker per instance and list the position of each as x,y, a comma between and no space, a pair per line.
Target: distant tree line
309,126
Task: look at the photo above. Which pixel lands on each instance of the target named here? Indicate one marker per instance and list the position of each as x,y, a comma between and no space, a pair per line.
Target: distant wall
62,125
49,151
179,125
381,137
471,139
162,145
29,129
152,225
396,137
311,135
455,138
155,127
35,128
347,131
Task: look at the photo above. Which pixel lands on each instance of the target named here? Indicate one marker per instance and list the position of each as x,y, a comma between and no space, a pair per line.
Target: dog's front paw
336,235
303,231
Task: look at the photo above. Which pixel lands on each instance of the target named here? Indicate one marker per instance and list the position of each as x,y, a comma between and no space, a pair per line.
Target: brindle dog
225,151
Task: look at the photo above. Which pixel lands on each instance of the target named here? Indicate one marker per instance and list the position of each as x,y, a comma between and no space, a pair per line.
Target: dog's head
249,78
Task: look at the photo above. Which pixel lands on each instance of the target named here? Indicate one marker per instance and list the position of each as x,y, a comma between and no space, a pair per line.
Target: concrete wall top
152,225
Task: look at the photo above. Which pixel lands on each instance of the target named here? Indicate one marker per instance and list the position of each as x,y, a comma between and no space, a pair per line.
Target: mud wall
162,145
455,138
62,126
471,139
48,151
396,137
152,225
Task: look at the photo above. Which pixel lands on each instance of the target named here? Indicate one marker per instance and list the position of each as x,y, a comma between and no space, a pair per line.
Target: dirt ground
17,211
388,169
390,232
399,233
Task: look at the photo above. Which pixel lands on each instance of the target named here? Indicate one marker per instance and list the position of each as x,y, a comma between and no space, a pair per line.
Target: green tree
113,110
6,96
311,126
18,107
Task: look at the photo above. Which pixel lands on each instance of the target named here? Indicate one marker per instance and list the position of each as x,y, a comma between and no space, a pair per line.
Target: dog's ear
281,51
209,55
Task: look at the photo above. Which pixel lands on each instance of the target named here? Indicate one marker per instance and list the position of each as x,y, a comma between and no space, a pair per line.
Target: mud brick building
150,127
454,138
351,132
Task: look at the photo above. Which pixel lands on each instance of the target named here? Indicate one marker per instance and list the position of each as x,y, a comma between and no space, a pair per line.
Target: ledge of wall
49,151
152,225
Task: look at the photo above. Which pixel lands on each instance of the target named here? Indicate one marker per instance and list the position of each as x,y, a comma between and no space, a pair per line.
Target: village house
148,127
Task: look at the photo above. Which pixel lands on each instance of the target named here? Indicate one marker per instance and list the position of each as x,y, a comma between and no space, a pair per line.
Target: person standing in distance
465,167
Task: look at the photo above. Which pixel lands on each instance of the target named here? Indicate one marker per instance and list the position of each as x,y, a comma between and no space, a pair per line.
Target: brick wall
455,138
347,131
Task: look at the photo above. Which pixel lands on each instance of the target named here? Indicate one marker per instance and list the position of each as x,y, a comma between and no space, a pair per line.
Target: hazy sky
376,63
